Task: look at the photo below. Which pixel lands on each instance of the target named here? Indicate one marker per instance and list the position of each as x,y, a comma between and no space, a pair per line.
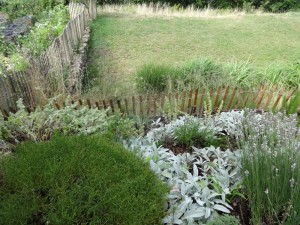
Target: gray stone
20,26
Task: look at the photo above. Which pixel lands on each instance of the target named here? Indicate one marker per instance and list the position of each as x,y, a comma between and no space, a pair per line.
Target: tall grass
205,72
154,77
164,9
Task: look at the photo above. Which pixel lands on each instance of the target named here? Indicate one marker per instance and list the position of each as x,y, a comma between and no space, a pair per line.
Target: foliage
191,133
78,180
13,56
41,124
18,8
270,162
200,181
45,30
203,70
153,77
206,72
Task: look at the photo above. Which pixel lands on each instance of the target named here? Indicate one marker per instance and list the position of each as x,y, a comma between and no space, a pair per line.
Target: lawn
123,43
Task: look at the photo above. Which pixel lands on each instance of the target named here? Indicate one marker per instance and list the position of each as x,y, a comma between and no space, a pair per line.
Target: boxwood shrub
78,180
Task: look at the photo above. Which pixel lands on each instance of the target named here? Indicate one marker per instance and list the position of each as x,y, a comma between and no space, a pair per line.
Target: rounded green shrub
78,180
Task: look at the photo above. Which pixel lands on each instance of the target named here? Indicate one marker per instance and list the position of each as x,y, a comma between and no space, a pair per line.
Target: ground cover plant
78,180
242,46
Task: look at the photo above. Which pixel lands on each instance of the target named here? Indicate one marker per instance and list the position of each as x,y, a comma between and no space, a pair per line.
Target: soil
241,210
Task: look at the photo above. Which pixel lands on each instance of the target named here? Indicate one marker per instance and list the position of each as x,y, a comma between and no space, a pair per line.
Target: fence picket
182,102
280,94
126,106
111,103
141,105
217,99
232,98
133,105
260,98
270,96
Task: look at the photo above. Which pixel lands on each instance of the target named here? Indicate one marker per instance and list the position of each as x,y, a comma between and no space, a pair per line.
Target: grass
78,180
123,43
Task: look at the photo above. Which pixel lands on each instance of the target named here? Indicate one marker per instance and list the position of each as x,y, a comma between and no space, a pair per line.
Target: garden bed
206,163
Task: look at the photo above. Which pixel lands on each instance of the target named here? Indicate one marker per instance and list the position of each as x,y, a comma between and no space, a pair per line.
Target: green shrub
78,180
153,77
17,8
46,29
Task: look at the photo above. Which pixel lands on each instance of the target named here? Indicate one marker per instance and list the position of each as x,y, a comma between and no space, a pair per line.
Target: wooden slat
190,102
133,105
97,105
239,98
270,96
119,105
246,98
126,106
194,108
88,101
216,102
104,104
232,98
148,105
226,94
290,94
182,101
202,102
141,106
162,103
280,94
112,105
57,105
261,97
155,106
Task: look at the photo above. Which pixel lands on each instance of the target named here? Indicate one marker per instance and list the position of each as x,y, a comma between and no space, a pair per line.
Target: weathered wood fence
48,74
195,102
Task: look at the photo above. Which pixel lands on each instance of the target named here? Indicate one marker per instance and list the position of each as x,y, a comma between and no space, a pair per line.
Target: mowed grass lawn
122,43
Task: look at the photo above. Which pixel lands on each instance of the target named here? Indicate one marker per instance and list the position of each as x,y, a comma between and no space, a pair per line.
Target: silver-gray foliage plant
193,198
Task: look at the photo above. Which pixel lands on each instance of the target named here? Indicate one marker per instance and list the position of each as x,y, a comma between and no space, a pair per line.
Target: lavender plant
271,170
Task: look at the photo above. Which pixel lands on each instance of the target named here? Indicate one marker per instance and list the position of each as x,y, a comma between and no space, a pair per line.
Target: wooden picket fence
46,74
194,102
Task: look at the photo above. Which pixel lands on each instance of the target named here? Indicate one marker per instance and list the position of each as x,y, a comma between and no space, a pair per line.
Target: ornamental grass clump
270,167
